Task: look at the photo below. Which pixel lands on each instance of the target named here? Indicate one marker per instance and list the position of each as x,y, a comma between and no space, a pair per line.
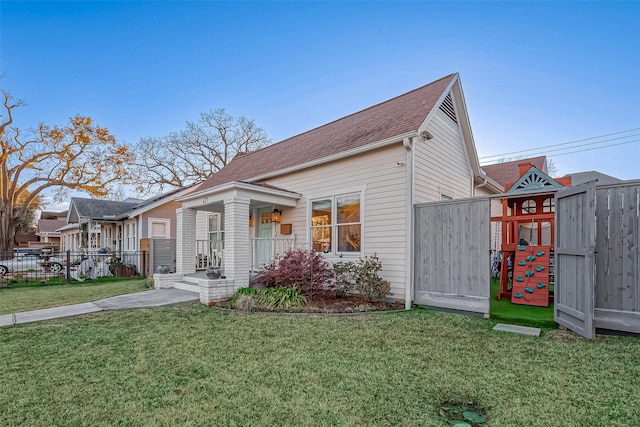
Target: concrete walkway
152,298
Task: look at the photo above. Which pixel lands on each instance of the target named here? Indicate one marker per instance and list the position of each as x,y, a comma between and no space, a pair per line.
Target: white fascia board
466,129
69,226
488,182
463,121
317,162
426,121
239,189
156,204
338,156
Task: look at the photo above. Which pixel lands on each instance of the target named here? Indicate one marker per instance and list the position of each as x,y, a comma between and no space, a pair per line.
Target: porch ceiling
212,199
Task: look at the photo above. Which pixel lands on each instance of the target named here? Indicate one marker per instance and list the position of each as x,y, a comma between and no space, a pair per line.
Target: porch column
237,255
185,240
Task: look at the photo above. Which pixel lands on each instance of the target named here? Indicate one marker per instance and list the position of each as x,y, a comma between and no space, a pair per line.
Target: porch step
186,286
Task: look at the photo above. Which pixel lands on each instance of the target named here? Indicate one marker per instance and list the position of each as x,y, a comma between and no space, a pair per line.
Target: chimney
524,168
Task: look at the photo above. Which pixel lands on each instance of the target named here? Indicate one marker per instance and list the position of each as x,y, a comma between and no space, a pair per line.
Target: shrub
248,299
369,284
346,277
361,276
242,292
245,303
281,298
302,269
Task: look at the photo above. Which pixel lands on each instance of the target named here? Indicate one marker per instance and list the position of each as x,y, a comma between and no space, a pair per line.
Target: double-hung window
216,230
130,236
336,224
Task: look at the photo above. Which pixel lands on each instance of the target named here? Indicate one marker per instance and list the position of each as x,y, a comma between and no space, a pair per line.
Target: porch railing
264,249
209,253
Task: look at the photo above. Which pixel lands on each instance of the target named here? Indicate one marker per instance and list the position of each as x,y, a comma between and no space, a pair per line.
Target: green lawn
13,300
194,365
525,315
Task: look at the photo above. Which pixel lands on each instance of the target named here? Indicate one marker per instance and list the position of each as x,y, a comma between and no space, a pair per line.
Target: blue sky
534,74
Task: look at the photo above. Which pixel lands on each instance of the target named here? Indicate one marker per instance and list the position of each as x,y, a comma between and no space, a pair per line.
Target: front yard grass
13,300
194,365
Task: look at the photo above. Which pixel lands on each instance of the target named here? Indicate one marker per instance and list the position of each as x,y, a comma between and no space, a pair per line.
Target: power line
583,145
567,143
580,151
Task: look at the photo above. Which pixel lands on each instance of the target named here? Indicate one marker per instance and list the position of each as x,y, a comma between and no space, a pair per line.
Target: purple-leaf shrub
303,269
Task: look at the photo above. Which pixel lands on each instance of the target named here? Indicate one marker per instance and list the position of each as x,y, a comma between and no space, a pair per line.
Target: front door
264,239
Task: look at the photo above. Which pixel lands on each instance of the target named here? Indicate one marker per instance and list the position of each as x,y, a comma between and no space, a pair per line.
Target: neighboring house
602,179
25,240
507,173
95,223
47,232
60,216
128,226
346,189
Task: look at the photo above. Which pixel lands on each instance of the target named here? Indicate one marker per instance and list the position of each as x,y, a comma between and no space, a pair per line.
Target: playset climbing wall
531,276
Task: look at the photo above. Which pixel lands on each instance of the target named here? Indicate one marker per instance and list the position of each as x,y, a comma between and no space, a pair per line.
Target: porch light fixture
276,215
250,221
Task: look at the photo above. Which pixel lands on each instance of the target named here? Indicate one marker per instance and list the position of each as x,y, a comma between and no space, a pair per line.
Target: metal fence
33,267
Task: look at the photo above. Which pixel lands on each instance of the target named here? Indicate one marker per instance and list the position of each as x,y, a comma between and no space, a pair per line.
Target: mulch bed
328,302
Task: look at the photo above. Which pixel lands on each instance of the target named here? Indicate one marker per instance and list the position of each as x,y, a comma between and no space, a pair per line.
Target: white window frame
167,229
220,227
130,242
333,196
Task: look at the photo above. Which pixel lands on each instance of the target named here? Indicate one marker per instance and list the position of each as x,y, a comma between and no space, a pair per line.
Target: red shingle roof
508,172
394,117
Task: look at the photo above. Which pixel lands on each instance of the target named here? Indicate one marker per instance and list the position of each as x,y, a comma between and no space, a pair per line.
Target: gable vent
447,108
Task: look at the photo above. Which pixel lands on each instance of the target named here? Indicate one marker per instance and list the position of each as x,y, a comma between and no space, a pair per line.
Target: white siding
441,164
383,211
496,226
202,225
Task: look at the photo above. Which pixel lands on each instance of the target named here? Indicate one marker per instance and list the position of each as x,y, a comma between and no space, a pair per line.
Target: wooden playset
528,211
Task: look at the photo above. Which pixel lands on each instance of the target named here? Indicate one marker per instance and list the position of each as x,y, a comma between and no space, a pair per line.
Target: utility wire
567,143
576,151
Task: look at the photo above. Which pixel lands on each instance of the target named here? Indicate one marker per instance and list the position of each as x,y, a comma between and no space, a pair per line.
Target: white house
346,189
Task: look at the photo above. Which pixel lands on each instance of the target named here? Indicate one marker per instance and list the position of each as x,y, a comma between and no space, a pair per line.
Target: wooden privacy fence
617,257
162,253
451,254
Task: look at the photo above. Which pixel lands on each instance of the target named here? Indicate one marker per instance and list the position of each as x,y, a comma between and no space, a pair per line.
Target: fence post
68,266
144,264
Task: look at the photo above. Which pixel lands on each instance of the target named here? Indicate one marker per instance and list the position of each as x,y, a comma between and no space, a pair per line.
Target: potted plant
163,269
214,271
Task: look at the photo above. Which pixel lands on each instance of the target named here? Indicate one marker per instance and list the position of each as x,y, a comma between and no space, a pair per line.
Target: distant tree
192,154
28,223
552,168
78,156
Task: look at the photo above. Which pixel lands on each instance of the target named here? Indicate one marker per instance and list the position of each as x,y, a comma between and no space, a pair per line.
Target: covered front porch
244,230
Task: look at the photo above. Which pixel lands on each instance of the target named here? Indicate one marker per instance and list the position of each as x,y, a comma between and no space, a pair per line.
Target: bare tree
192,154
79,156
552,168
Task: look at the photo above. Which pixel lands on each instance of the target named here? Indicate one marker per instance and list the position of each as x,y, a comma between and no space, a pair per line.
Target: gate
452,255
574,253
